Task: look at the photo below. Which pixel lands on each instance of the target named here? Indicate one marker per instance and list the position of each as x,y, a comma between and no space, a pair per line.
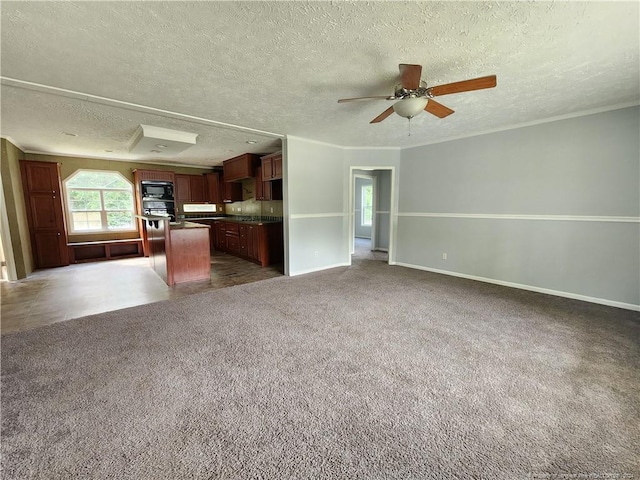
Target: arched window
99,201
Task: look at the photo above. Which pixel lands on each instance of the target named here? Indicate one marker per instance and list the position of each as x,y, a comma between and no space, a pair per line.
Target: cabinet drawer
232,228
233,243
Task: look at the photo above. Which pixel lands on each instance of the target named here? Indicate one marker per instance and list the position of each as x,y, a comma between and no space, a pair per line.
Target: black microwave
157,190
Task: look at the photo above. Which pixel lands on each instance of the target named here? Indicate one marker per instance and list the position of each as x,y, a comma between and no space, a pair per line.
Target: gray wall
552,207
314,206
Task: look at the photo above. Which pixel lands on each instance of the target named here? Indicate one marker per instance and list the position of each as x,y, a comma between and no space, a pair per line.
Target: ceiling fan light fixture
410,107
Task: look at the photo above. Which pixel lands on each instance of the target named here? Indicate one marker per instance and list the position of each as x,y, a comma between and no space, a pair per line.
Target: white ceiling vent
160,141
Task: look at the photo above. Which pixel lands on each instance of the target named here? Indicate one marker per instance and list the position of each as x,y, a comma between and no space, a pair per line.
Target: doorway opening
371,201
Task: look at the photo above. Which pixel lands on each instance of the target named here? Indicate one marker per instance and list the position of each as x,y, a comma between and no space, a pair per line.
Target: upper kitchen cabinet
240,167
267,190
215,190
272,167
182,188
153,175
190,188
198,188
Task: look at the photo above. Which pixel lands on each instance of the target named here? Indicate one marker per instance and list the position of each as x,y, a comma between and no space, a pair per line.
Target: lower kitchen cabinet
261,243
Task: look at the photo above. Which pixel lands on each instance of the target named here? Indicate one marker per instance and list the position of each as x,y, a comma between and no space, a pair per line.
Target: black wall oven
157,199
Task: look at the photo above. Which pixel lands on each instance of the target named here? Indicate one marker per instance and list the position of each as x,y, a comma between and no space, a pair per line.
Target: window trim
103,212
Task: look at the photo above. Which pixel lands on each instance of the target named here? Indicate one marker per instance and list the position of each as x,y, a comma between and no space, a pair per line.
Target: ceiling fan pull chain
409,127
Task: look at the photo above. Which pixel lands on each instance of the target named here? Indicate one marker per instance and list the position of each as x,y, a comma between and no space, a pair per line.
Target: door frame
392,207
374,198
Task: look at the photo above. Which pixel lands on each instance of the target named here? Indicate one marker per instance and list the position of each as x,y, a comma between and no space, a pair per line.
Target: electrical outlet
271,209
444,256
239,209
316,253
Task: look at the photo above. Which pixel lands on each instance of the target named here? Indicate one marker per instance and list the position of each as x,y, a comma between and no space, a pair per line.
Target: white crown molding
520,286
13,142
15,82
558,118
123,160
316,142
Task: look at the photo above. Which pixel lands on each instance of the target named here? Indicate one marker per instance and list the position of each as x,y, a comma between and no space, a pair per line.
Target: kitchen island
178,251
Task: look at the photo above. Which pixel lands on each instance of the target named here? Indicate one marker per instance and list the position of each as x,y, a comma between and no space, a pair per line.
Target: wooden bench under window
104,250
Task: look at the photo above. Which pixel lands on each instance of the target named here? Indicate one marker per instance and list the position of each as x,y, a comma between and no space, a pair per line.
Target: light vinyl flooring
57,294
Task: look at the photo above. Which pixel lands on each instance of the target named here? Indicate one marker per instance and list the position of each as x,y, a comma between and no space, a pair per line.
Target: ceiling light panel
163,141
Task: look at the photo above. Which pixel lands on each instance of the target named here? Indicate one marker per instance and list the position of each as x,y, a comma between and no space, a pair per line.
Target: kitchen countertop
234,220
172,225
184,225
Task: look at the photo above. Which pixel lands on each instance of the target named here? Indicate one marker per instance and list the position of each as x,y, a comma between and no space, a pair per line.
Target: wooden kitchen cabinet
252,243
197,185
190,188
271,167
219,240
153,175
240,167
249,242
182,190
45,216
232,237
271,190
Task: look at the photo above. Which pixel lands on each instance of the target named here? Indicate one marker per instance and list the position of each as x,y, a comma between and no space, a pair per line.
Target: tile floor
58,294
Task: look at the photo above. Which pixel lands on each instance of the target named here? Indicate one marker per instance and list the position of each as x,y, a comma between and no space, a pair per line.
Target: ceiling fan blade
383,115
437,109
410,76
464,86
342,100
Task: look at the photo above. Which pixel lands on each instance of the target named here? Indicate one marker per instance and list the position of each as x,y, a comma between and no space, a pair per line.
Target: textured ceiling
238,71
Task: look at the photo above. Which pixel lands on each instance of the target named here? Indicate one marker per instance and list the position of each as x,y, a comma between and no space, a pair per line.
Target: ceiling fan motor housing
401,92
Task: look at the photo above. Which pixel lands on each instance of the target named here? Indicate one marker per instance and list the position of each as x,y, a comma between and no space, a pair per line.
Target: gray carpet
367,372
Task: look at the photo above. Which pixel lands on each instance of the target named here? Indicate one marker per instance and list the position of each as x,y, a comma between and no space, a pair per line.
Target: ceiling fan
415,96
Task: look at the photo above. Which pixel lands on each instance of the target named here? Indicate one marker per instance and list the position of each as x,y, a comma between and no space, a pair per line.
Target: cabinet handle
58,233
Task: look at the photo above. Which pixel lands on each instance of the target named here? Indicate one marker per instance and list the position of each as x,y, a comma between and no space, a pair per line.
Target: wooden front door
43,199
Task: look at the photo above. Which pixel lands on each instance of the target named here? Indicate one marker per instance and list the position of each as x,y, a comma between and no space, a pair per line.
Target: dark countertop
185,225
233,220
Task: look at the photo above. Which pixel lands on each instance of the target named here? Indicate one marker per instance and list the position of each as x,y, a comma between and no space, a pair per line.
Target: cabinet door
242,233
197,185
214,193
272,167
183,188
252,242
276,169
267,166
240,167
47,229
263,189
220,236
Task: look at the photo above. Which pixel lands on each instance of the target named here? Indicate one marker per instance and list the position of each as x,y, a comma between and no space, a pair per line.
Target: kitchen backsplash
251,207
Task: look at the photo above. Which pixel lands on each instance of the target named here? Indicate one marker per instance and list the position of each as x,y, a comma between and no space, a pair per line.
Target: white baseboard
318,269
557,293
